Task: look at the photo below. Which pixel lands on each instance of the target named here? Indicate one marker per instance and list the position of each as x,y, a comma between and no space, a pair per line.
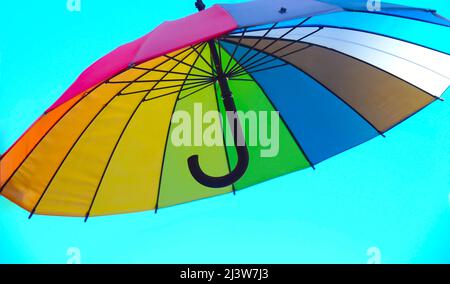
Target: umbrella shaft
221,76
227,95
239,139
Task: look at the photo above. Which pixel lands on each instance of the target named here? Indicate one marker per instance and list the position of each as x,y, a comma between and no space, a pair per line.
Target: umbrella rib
163,88
241,73
156,80
189,65
389,53
301,70
196,91
182,89
172,72
162,78
43,137
67,154
277,50
188,74
240,79
167,139
353,29
220,54
348,55
235,50
357,59
203,58
260,51
250,69
120,138
180,85
380,69
343,101
334,94
79,137
282,119
111,156
252,47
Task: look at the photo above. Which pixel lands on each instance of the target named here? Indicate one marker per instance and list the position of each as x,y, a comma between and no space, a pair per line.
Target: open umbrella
339,72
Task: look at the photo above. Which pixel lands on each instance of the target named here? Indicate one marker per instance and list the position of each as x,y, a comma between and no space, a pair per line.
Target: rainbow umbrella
338,72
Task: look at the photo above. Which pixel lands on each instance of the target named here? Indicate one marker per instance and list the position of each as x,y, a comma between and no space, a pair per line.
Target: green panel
177,184
248,96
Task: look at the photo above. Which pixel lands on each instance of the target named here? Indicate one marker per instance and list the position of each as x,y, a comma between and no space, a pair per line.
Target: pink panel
169,36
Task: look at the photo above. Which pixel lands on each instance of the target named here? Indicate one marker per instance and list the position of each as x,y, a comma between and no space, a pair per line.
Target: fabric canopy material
338,74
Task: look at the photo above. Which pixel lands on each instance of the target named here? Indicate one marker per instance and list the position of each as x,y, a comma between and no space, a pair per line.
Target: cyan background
392,194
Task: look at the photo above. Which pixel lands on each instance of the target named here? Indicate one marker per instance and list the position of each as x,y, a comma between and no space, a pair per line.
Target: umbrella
336,73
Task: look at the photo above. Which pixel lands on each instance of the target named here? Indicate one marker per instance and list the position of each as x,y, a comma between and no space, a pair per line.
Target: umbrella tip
200,5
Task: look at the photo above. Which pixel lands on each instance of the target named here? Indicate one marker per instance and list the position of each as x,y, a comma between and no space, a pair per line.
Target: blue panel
421,14
322,123
261,12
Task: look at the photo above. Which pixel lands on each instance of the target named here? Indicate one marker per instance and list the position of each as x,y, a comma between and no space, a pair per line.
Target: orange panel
33,176
20,150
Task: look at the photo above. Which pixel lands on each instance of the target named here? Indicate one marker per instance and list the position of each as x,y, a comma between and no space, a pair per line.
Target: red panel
167,37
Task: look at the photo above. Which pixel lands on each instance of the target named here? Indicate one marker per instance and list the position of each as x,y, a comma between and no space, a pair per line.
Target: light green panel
177,184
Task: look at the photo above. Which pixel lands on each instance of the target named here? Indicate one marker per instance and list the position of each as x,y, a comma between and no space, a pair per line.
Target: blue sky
392,194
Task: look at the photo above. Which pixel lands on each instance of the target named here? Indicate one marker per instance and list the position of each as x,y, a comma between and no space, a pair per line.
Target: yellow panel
132,178
144,86
129,75
12,160
71,191
155,76
164,87
29,182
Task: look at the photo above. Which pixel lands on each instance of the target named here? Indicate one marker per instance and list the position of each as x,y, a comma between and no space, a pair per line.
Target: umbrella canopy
339,72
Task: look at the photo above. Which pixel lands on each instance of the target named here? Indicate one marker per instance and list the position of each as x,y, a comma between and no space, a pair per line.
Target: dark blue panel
322,123
262,12
420,14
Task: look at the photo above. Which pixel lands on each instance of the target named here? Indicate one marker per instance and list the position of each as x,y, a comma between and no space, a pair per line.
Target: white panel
427,69
433,60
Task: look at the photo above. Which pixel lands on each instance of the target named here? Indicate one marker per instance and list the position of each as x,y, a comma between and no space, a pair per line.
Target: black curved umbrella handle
242,152
238,136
